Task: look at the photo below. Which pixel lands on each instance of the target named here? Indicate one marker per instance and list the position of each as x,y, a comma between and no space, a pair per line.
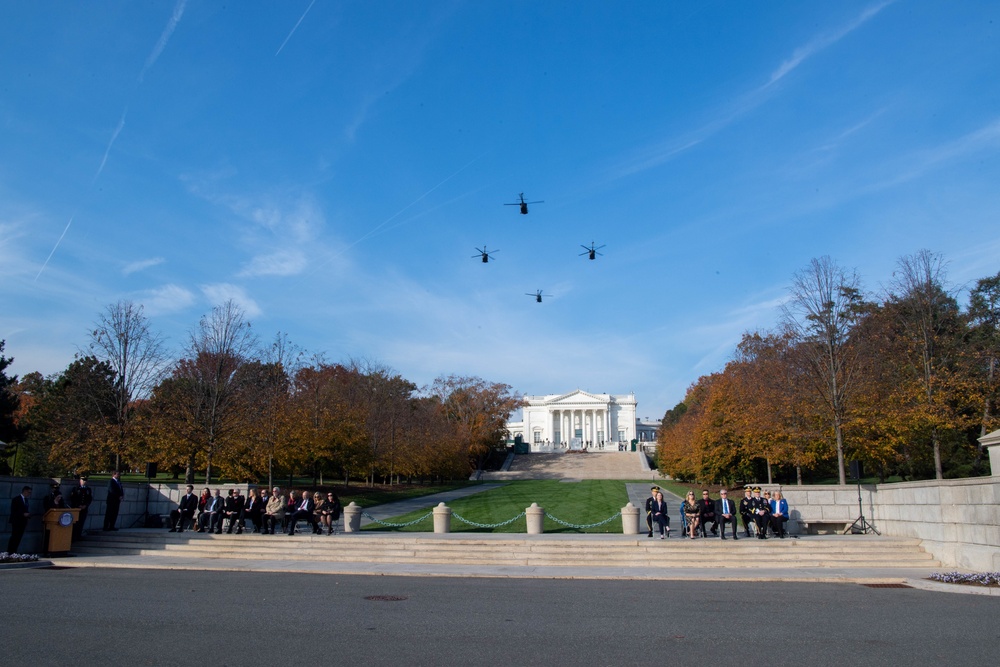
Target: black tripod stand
860,524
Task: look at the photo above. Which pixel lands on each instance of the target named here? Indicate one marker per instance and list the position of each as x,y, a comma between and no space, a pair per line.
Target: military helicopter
591,251
524,204
485,254
538,295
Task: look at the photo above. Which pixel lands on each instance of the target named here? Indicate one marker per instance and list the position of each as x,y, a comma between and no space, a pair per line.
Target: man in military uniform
746,513
761,513
80,497
649,508
54,499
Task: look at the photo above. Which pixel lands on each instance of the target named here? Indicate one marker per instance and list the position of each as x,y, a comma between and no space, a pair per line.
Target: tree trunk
798,475
769,471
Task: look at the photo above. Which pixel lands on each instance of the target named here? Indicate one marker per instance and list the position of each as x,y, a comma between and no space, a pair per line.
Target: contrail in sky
295,27
114,135
55,246
164,37
150,61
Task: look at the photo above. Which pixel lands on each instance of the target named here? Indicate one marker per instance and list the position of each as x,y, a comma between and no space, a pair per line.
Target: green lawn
579,503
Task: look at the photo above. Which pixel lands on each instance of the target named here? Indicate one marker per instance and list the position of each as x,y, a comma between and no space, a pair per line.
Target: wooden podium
58,523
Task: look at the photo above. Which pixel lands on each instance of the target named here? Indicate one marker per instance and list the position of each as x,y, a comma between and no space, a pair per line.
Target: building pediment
578,397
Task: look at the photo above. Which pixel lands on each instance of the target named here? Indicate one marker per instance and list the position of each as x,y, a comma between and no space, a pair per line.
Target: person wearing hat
746,513
761,513
81,497
649,508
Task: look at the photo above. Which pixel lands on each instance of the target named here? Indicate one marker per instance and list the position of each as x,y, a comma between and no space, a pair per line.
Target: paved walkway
401,507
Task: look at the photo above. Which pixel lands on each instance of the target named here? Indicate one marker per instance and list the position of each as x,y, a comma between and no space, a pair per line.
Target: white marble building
575,420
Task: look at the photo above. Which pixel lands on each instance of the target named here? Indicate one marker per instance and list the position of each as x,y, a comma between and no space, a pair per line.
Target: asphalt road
151,617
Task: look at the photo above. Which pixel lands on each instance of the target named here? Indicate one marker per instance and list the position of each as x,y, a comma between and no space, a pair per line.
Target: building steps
847,551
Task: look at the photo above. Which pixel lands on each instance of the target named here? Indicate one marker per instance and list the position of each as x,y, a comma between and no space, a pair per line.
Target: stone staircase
505,550
574,465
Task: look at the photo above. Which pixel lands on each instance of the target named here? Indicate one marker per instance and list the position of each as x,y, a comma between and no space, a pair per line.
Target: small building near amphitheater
579,420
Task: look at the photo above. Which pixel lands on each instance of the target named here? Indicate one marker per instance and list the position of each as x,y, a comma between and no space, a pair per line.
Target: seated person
210,519
186,508
779,514
692,512
746,513
274,512
725,511
761,513
329,512
206,495
232,510
659,515
254,510
707,506
304,511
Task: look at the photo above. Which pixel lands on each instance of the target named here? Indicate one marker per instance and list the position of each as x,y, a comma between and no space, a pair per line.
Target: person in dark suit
210,519
303,511
184,512
725,512
660,516
649,511
19,515
707,506
114,501
761,513
745,512
233,510
81,497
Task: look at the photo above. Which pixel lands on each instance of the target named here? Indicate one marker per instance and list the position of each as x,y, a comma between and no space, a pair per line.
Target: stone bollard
535,516
352,518
630,520
442,518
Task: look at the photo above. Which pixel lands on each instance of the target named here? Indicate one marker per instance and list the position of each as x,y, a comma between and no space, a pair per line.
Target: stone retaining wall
958,520
162,499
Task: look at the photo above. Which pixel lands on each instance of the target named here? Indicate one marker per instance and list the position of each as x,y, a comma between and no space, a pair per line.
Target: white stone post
442,518
991,441
352,518
535,516
630,520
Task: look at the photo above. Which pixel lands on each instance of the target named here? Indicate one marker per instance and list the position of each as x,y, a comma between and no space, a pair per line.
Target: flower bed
17,558
991,579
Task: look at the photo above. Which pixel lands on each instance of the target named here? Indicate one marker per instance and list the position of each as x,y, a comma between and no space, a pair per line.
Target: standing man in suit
185,511
114,501
649,508
80,497
725,512
19,516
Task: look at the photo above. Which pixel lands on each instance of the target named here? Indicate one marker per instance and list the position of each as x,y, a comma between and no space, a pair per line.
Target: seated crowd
265,512
758,513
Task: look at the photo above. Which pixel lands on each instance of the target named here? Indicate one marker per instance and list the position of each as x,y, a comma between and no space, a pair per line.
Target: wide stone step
499,550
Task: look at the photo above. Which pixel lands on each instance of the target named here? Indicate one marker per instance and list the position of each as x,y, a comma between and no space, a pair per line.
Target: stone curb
25,566
961,589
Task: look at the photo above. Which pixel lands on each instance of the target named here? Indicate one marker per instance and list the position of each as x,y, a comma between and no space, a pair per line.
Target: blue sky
332,167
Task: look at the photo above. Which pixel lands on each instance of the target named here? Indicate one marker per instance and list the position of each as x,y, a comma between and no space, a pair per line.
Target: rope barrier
395,525
487,525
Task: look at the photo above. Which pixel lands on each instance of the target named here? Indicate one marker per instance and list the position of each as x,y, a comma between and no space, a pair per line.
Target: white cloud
140,265
167,299
219,293
281,263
